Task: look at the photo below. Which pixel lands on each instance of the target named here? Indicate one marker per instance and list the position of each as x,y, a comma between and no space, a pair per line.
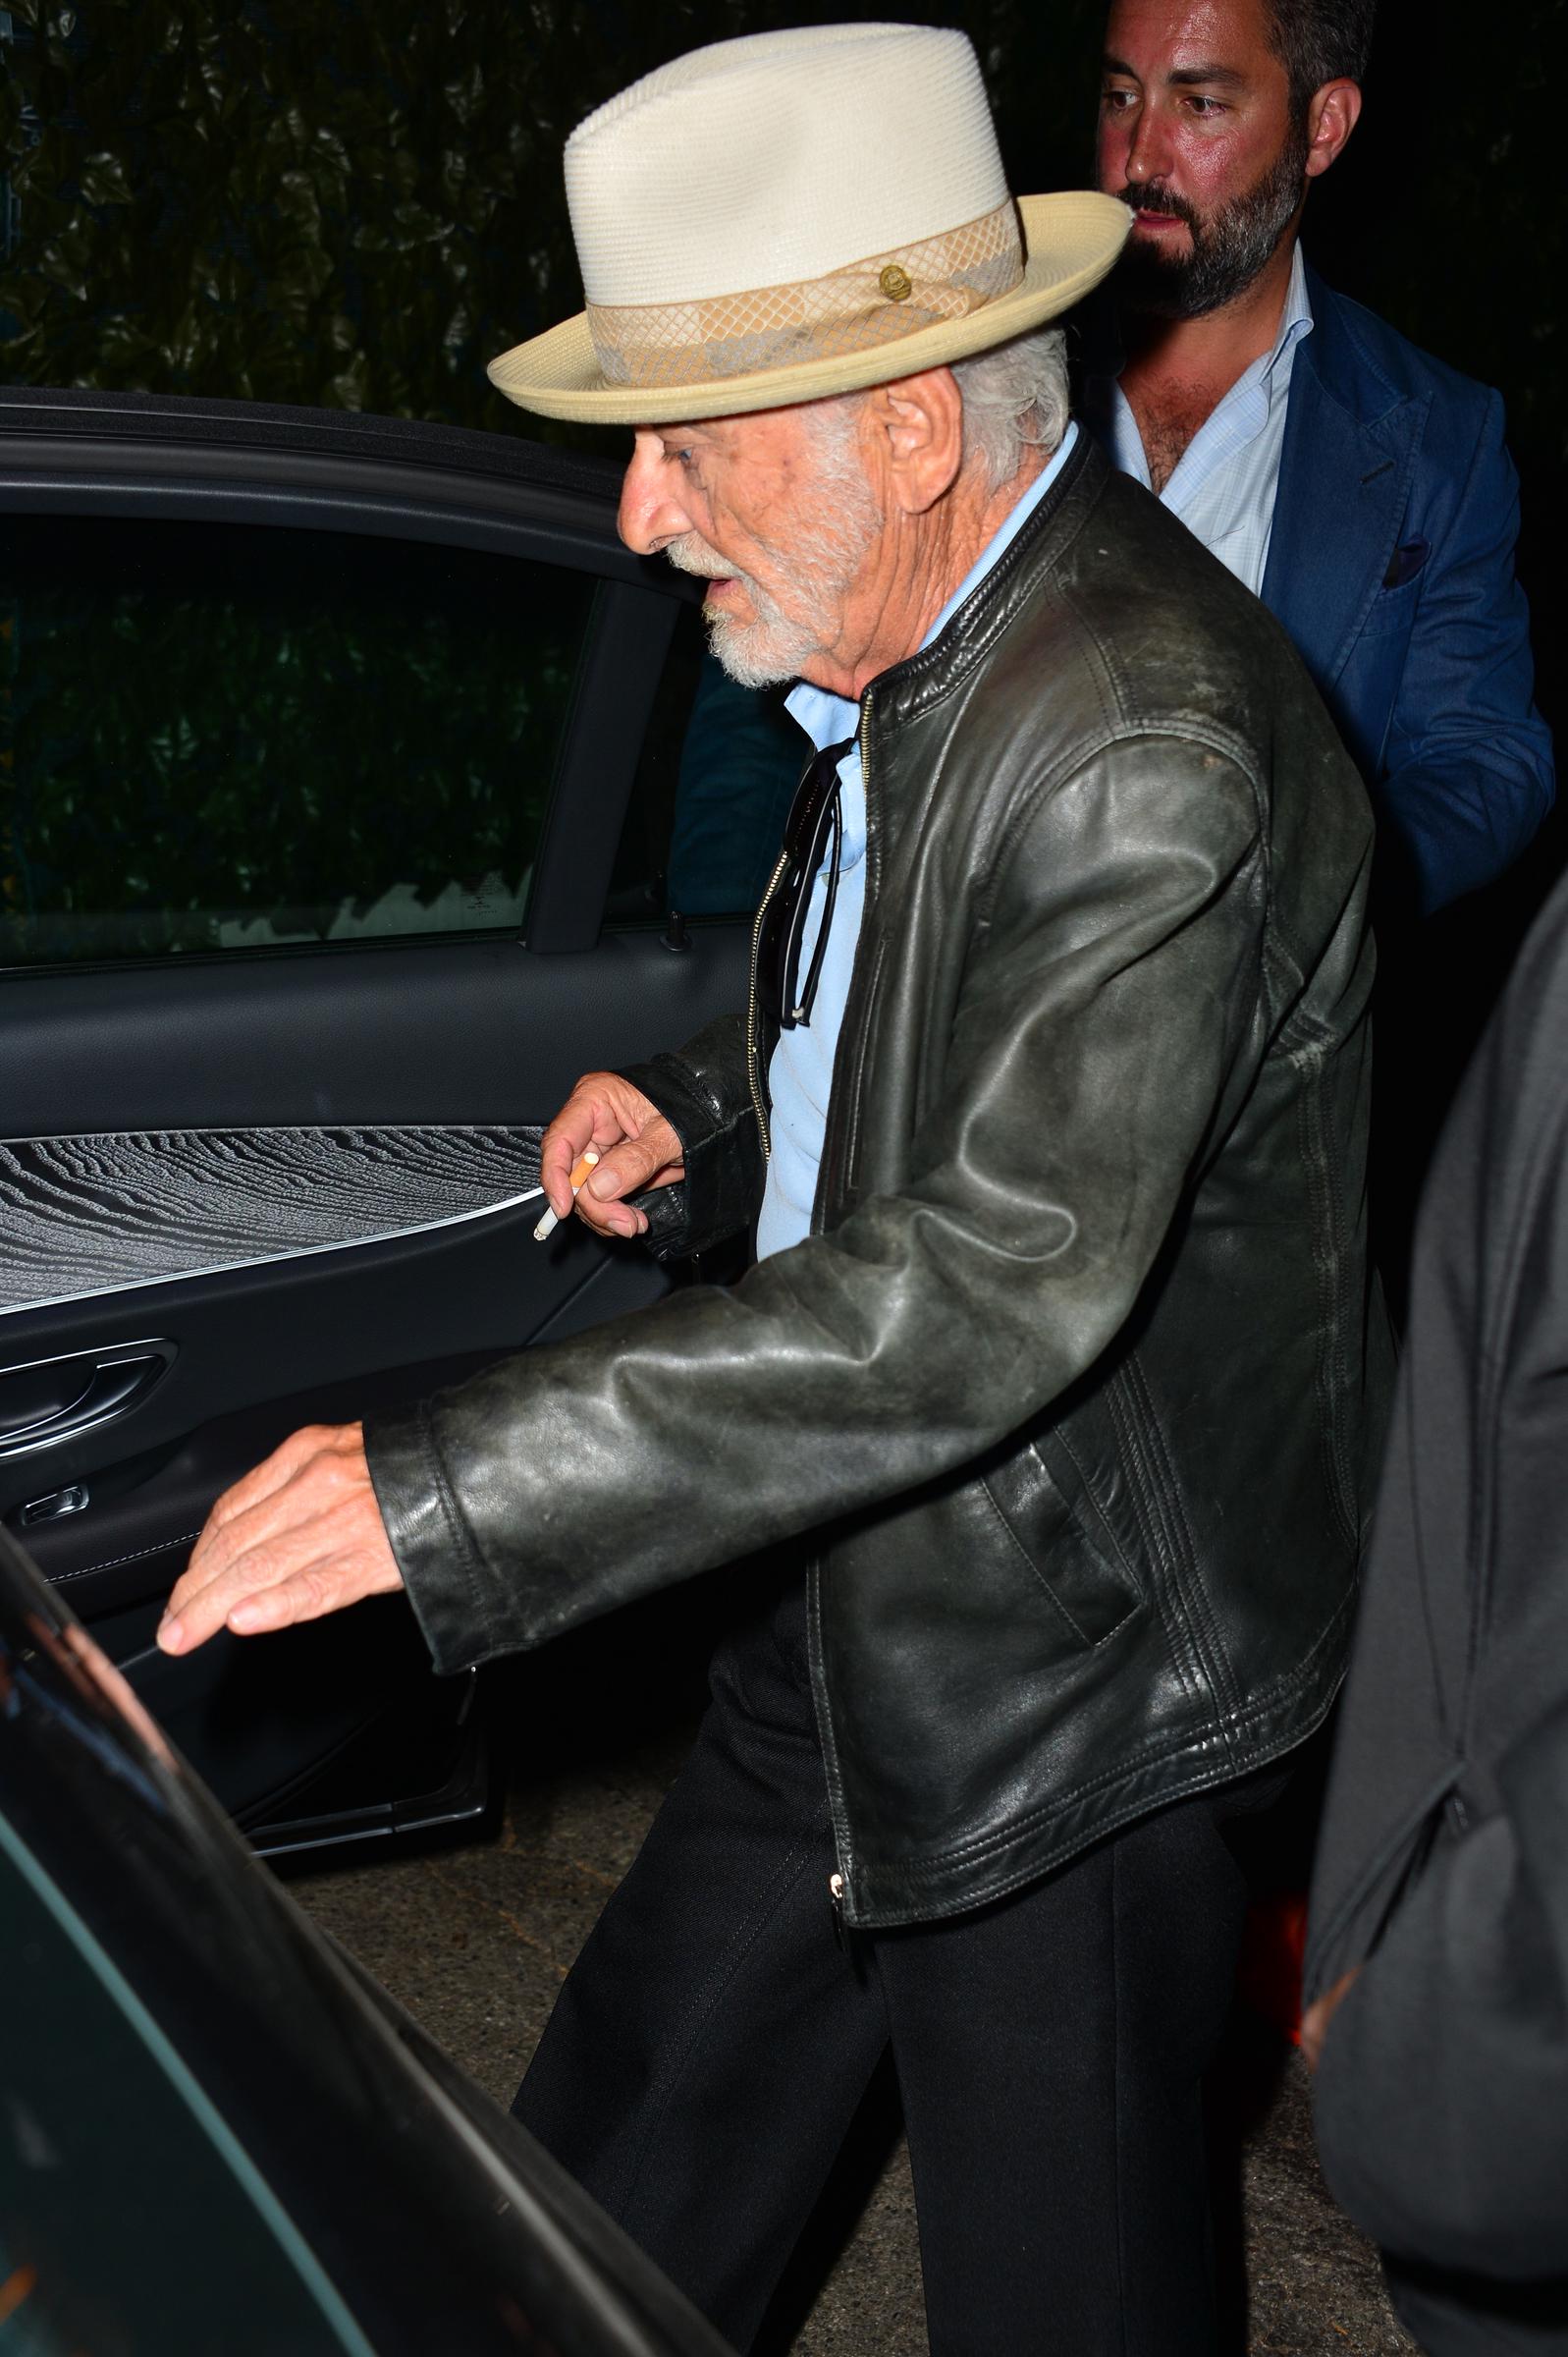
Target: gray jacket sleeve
1442,1869
1443,2096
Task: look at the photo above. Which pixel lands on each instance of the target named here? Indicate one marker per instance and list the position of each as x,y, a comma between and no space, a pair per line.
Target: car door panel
389,1331
456,1033
415,1250
263,1720
376,1324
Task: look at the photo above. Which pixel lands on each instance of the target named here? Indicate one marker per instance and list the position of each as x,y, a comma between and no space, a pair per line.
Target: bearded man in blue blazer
1361,488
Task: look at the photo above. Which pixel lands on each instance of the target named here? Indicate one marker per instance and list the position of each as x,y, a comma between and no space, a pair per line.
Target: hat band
867,302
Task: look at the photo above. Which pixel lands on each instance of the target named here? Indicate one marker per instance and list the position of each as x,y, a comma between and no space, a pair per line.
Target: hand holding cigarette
633,1148
547,1225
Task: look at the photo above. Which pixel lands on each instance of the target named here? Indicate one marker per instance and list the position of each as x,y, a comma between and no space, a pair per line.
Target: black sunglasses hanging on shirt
814,819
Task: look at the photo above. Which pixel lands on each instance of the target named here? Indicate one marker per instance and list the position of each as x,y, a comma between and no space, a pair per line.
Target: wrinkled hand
300,1537
637,1149
1315,2021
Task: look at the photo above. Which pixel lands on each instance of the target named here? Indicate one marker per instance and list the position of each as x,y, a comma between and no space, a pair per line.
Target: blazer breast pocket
1377,655
1408,559
1393,608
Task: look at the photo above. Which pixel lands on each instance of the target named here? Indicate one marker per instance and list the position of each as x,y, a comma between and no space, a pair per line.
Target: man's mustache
690,554
1153,200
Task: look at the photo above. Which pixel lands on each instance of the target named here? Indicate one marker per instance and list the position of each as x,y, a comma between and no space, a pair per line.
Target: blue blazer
1392,565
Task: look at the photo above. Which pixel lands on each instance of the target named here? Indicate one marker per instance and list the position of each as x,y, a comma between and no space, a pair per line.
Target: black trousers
713,2042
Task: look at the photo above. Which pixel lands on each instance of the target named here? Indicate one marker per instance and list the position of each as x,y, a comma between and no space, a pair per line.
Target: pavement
476,1939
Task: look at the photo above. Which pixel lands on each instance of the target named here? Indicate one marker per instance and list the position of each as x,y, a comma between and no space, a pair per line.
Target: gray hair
1014,400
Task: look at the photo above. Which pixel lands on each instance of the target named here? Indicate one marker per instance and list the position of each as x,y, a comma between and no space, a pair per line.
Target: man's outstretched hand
637,1148
300,1537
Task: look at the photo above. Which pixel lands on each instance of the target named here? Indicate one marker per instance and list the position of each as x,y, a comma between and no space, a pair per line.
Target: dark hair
1319,41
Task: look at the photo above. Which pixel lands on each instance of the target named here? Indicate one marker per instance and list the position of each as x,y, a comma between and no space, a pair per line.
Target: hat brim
1071,240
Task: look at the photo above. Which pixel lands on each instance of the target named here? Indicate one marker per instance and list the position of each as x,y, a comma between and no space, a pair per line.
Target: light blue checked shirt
800,1074
1223,487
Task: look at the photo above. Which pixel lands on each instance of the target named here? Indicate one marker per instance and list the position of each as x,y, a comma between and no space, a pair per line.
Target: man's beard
1228,250
824,557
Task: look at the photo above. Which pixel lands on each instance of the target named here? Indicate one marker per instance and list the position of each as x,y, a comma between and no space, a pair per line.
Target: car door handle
50,1400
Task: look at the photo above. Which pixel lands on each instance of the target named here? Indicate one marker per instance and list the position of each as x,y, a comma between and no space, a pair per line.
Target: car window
719,770
227,736
129,2218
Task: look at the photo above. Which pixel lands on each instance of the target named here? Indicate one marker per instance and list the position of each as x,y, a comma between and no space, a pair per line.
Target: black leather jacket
1079,1382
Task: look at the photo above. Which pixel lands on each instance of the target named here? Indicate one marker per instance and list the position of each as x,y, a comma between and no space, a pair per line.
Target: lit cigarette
579,1172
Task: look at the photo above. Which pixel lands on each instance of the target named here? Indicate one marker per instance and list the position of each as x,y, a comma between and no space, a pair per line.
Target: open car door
343,765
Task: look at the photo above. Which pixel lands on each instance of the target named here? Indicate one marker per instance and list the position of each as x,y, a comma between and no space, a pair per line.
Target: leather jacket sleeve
1112,1012
704,1092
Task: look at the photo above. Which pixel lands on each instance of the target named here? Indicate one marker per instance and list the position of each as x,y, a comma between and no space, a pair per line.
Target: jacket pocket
1407,561
1058,1529
1396,604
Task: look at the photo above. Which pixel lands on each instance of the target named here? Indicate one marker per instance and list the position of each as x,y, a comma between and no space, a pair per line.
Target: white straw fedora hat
797,214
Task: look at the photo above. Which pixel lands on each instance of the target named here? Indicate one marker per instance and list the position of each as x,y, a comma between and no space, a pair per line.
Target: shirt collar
1296,318
1243,409
827,718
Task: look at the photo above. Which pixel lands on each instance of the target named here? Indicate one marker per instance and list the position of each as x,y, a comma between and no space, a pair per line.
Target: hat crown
779,157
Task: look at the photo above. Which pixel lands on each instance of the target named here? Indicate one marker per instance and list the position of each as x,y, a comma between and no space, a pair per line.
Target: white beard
825,557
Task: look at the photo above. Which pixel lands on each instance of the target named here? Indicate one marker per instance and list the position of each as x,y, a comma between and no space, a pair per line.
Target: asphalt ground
476,1939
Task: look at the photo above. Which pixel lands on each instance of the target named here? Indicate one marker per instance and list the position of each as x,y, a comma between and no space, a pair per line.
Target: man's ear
916,428
1333,116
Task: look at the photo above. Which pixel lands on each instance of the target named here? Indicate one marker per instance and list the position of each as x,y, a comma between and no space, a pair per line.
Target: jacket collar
1351,442
908,689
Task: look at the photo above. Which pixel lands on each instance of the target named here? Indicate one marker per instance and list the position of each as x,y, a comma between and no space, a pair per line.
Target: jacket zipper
830,1757
753,1060
865,783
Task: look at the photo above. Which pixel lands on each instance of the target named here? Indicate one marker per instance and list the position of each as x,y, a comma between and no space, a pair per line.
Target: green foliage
323,202
273,736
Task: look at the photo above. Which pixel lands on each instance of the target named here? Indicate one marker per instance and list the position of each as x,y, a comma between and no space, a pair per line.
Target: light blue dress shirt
800,1074
1224,485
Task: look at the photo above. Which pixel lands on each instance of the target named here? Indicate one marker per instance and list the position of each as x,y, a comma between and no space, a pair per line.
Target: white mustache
689,554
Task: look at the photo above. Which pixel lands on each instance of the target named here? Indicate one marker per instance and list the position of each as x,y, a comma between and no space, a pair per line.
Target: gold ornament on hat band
867,302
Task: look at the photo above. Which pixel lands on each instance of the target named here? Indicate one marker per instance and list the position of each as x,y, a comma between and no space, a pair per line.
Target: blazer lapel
1350,445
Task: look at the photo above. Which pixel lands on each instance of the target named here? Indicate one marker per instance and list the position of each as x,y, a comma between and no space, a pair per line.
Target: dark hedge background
355,202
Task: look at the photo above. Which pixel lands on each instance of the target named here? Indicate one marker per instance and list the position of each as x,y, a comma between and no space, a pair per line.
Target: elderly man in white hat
1060,1357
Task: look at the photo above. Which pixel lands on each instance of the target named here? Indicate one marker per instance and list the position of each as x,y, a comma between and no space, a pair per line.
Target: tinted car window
128,2220
219,737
